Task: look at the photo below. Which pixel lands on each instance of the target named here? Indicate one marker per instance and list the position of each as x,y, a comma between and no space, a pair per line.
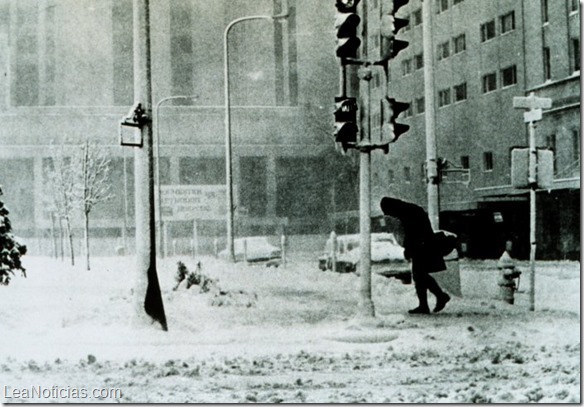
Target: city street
69,327
228,201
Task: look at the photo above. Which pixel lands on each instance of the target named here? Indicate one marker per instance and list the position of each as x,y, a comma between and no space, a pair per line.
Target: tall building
67,73
484,54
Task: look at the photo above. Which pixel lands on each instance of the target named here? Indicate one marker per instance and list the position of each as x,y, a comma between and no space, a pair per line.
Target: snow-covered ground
291,336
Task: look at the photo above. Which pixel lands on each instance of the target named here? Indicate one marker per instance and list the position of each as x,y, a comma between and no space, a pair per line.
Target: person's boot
420,310
423,308
441,302
441,297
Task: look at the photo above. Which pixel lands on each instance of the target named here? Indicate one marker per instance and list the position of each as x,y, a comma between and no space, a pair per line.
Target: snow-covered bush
10,248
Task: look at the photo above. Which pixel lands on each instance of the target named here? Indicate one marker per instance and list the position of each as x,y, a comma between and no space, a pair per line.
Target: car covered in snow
255,249
387,256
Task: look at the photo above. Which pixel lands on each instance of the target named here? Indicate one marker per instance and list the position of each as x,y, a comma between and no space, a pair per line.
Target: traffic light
346,128
346,23
390,25
390,129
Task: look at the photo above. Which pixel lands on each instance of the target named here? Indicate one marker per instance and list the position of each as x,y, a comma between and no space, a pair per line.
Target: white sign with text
190,202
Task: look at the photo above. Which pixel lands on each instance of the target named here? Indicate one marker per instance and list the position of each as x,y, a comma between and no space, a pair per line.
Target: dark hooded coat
419,242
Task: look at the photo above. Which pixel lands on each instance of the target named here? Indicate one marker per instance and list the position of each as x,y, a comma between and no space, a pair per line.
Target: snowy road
298,342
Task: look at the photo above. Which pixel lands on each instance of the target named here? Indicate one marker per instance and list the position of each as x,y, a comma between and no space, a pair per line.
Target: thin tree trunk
61,239
70,234
87,239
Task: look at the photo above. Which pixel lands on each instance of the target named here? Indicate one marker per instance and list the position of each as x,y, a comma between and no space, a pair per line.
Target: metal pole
532,212
228,143
366,308
431,161
125,228
147,295
160,222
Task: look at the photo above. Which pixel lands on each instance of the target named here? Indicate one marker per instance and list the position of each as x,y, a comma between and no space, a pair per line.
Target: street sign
532,115
190,202
531,102
520,168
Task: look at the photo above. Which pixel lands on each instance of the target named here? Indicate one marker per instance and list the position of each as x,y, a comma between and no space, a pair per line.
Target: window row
488,165
457,45
456,94
415,19
459,93
506,24
573,7
409,64
574,59
508,77
442,5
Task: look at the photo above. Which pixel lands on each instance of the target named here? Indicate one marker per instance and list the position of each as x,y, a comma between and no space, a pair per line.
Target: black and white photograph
290,201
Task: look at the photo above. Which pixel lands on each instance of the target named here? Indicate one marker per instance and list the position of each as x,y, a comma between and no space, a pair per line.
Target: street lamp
159,203
228,164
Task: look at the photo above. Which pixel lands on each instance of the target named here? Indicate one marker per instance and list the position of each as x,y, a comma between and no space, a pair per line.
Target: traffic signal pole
147,297
366,308
431,154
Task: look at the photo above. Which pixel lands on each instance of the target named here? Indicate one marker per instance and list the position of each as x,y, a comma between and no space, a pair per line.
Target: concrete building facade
484,54
67,74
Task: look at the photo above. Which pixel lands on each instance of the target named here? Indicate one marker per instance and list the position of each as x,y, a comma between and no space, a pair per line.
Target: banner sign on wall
190,202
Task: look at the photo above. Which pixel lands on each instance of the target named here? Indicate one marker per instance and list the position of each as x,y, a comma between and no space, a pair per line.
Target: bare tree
61,190
95,188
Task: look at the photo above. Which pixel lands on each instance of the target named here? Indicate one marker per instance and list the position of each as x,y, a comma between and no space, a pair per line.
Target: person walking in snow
421,249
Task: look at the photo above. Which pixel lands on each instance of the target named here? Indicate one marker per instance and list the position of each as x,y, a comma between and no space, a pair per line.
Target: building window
443,50
489,82
201,171
419,61
508,22
574,6
488,161
420,105
459,43
122,51
253,194
406,67
181,52
576,54
576,145
460,92
443,97
441,5
547,67
455,2
488,31
551,143
417,17
465,162
544,11
509,76
407,174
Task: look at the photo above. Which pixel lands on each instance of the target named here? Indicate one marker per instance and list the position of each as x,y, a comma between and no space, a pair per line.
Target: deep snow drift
288,335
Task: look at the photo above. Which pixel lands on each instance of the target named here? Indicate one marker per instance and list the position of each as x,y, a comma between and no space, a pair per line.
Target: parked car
259,250
387,256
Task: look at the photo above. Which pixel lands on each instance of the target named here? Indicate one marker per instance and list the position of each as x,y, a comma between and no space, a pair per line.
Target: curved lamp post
159,203
228,164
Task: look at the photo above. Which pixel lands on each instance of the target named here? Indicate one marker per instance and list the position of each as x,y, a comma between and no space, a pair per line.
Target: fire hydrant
508,275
